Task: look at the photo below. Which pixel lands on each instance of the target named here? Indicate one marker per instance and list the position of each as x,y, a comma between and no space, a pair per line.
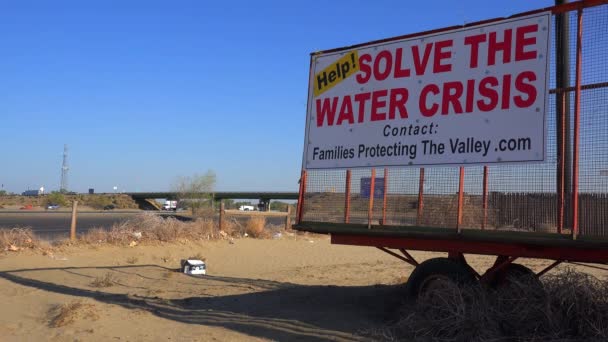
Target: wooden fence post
301,197
347,197
485,197
74,218
420,198
384,191
370,210
288,218
460,200
221,223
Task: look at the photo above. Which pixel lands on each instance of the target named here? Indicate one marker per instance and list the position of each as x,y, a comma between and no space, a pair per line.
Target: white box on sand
194,267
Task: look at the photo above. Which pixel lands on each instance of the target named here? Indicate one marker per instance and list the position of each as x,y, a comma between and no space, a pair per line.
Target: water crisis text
456,96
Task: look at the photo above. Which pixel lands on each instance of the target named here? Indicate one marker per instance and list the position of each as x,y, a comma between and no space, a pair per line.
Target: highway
56,225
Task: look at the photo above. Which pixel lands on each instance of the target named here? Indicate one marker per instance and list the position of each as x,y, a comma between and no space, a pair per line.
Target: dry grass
121,201
233,228
106,280
16,239
143,228
204,213
255,227
94,235
570,306
149,227
62,315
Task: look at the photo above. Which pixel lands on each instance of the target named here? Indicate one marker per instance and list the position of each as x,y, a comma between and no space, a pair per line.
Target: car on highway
52,207
109,207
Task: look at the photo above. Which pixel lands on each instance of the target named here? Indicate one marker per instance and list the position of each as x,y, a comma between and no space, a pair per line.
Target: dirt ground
288,289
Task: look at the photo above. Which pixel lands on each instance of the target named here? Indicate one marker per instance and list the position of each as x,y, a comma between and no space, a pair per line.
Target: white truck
246,208
170,205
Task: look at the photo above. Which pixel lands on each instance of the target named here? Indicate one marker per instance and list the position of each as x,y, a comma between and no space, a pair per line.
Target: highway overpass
264,197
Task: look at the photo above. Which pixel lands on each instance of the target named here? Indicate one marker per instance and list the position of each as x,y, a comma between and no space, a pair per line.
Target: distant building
32,193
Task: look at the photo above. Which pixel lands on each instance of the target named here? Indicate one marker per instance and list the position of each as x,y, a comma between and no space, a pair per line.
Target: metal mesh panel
593,143
593,162
324,196
359,200
535,197
440,202
595,43
524,197
472,204
402,196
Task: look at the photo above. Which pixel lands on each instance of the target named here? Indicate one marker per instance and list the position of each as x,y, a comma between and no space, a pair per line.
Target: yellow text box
336,72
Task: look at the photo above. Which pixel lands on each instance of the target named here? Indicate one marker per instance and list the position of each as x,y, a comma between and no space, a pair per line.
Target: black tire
518,298
438,272
515,273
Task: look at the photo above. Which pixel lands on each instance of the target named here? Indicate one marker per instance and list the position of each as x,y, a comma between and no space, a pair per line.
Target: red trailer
488,138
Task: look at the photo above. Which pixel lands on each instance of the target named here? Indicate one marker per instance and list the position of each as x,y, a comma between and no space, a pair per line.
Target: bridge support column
264,205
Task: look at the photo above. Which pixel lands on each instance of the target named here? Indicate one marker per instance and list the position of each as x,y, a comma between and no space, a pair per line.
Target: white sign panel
475,95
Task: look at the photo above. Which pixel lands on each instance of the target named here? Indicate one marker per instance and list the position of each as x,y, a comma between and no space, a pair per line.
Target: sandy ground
290,289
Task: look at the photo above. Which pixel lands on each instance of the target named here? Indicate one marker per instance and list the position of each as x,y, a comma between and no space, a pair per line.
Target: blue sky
145,91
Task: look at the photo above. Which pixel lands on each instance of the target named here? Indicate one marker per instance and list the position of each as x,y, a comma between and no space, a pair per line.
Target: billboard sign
366,186
473,95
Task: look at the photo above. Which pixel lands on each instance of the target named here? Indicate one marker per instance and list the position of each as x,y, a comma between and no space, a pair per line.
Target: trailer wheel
516,275
437,274
519,298
518,284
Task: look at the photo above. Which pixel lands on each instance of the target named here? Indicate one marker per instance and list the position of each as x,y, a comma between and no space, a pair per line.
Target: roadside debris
193,267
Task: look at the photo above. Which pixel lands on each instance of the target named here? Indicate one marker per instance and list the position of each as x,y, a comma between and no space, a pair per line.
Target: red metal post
384,196
460,199
408,260
347,198
370,210
420,197
485,198
409,256
571,6
577,117
301,195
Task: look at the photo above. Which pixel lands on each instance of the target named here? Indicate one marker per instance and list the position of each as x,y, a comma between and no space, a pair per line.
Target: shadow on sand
178,217
277,311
